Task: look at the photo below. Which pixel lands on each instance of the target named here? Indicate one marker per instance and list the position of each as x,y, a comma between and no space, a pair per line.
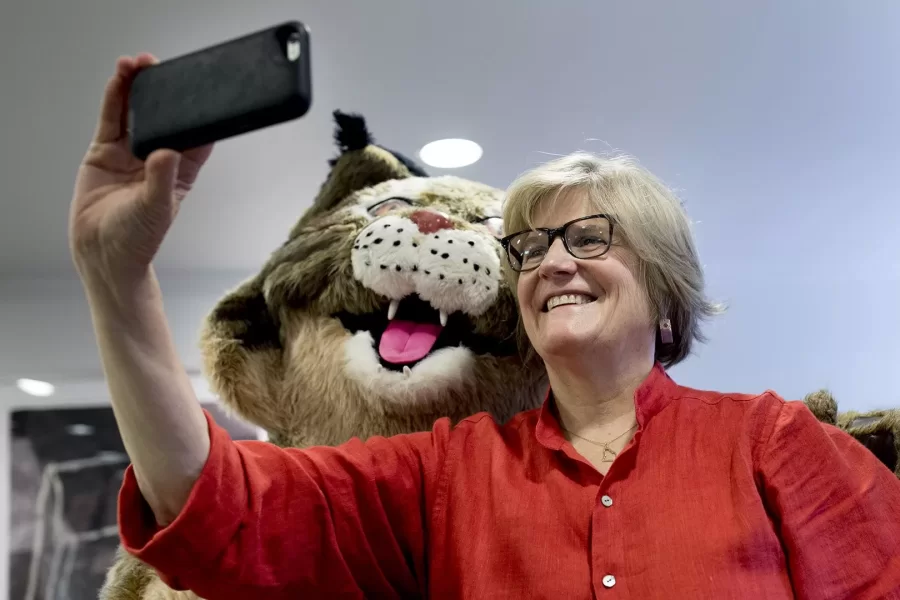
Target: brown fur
877,430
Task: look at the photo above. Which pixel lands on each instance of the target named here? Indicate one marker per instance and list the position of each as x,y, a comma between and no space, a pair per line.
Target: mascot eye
494,225
388,206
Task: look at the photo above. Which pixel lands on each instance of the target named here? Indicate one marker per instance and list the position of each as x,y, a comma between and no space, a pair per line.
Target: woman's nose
557,261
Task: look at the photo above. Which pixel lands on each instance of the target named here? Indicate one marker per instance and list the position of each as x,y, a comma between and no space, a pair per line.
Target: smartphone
228,89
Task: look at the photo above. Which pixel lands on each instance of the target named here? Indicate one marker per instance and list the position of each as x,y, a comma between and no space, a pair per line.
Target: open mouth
567,300
416,331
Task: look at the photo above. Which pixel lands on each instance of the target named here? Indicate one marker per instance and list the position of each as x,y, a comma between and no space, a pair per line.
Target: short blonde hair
650,220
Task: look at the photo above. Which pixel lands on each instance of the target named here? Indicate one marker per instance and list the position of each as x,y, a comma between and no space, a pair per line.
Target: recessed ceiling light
35,387
451,153
80,429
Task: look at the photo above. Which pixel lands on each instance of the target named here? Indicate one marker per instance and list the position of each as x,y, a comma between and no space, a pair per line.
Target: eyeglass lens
585,238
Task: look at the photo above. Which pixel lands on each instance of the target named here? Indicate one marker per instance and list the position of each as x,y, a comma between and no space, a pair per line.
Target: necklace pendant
608,455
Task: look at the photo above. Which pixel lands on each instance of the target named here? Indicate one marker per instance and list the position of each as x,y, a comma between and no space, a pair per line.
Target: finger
124,65
161,169
112,108
145,59
112,123
191,162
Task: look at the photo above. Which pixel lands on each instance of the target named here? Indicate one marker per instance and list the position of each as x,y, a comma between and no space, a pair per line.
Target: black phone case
222,91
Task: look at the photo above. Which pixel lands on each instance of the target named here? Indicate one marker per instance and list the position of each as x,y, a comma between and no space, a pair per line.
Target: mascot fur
314,348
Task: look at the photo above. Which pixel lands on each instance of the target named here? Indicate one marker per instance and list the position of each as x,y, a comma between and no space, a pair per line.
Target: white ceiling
777,120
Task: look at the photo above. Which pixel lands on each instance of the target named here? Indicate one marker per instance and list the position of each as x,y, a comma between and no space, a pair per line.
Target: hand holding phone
133,178
122,207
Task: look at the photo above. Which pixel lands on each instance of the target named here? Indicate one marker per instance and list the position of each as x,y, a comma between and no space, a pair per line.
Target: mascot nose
429,221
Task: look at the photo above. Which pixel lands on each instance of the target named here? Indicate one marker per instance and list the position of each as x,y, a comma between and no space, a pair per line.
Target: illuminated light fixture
80,429
35,387
450,154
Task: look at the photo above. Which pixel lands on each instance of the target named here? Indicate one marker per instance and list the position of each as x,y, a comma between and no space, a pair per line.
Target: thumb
161,173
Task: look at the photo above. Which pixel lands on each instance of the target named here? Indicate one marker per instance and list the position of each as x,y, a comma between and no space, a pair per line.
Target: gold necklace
608,455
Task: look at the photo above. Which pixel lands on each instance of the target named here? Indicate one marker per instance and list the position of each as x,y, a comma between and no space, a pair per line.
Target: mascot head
384,310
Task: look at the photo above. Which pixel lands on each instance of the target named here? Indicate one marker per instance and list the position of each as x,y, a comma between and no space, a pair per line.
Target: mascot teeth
395,305
392,309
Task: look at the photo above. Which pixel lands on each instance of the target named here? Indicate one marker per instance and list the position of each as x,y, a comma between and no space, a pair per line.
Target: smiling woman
636,218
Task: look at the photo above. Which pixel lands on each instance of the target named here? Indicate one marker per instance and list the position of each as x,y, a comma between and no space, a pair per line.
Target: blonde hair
648,217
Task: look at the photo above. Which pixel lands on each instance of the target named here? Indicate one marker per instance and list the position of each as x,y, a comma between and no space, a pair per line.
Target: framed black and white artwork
66,468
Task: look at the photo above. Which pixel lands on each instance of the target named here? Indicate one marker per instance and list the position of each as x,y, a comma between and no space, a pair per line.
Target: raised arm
120,212
221,518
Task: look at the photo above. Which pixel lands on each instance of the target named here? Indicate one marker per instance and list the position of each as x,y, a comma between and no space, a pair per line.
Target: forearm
159,418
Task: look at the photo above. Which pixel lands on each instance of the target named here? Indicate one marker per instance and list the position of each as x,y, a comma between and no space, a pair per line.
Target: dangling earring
665,331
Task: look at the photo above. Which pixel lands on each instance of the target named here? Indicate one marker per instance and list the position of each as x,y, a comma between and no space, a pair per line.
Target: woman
624,484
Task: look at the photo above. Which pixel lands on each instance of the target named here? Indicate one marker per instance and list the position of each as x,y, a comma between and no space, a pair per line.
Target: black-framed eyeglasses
584,237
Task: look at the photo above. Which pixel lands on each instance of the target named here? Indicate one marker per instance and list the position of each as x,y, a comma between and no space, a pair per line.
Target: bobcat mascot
383,311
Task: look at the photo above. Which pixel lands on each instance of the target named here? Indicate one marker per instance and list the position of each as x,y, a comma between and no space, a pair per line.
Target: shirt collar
653,395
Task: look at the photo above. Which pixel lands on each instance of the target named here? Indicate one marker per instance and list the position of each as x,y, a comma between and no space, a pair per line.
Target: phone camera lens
292,47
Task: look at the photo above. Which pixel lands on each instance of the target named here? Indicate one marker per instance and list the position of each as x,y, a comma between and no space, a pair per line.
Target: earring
665,331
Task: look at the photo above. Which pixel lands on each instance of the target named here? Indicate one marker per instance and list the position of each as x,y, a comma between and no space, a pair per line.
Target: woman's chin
564,343
566,331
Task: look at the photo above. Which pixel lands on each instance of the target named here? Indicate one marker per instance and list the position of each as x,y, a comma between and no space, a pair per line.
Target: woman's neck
597,399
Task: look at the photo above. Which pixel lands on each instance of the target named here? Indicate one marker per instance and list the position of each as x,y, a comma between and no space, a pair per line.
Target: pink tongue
406,341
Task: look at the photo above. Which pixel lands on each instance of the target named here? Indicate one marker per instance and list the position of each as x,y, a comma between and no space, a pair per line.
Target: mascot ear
361,163
823,405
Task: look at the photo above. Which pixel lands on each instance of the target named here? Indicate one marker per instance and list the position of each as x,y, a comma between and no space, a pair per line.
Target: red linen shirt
717,496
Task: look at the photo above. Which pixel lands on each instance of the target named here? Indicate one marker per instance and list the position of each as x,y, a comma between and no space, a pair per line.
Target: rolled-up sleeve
835,505
349,520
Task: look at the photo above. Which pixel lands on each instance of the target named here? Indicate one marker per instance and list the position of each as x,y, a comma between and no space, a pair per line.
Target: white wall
801,334
46,331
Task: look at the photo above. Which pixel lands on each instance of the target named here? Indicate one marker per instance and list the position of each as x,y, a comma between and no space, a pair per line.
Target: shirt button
609,581
606,501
